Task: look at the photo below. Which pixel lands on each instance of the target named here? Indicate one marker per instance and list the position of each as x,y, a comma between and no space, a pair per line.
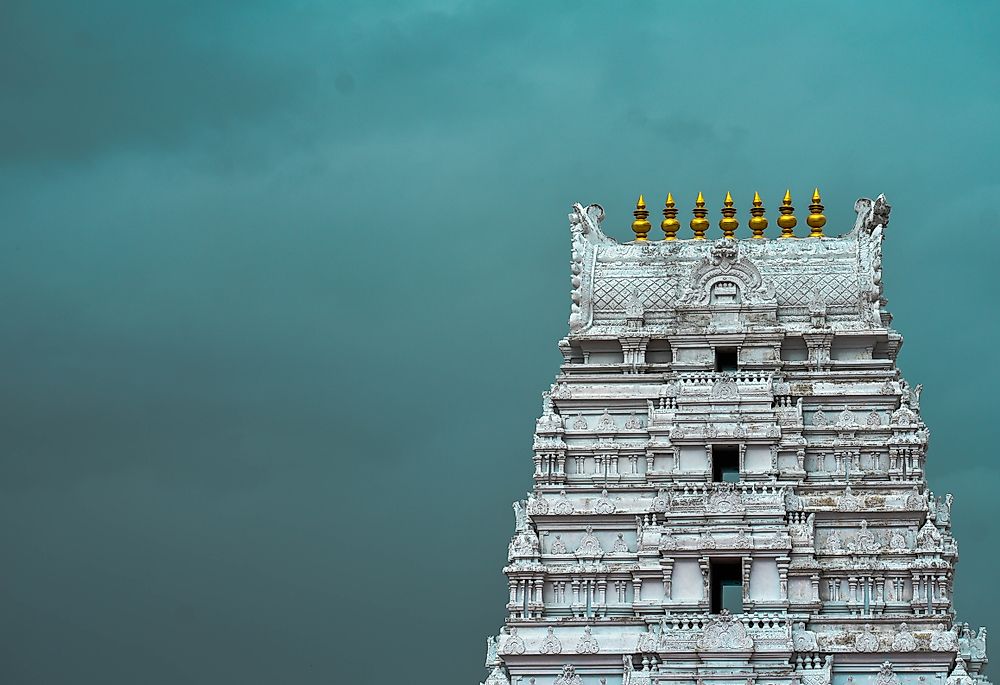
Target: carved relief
587,643
725,633
550,644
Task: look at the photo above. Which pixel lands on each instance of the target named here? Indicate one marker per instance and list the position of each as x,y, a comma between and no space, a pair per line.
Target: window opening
726,359
725,463
727,585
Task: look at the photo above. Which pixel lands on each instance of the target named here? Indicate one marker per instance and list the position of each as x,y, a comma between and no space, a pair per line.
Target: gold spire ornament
816,220
787,219
640,226
670,224
757,221
699,224
728,223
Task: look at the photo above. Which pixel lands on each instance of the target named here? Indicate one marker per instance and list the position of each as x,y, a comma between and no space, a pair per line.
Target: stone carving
537,506
725,388
524,543
846,418
550,643
633,422
661,503
562,392
834,542
725,632
743,540
848,502
915,500
498,676
929,537
579,423
563,506
959,675
866,641
620,545
634,309
724,264
903,417
943,640
558,546
817,310
874,419
568,676
606,423
904,641
819,418
886,675
941,509
648,641
520,515
587,643
513,644
589,544
864,541
725,499
491,651
803,640
897,541
604,504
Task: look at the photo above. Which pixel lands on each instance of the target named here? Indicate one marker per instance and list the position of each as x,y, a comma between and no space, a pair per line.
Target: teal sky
282,282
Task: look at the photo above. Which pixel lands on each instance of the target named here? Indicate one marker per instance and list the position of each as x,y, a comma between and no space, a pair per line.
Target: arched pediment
725,276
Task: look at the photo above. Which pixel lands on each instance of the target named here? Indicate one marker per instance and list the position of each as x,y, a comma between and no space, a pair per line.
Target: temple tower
729,471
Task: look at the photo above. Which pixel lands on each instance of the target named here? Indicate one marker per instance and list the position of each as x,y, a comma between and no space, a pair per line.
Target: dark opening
727,585
726,359
725,463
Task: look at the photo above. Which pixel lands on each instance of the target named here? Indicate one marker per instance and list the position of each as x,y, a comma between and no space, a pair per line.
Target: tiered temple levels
729,472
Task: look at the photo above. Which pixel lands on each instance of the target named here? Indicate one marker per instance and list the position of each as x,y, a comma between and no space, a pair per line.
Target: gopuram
729,483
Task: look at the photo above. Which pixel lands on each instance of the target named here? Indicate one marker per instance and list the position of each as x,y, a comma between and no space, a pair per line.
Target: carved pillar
783,563
917,595
852,591
743,453
705,579
668,572
747,564
814,582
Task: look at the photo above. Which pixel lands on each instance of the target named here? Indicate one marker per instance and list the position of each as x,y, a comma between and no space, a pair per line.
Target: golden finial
816,220
670,224
757,221
699,224
640,225
787,219
728,222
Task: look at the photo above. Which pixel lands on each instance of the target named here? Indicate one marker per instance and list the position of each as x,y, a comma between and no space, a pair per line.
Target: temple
729,482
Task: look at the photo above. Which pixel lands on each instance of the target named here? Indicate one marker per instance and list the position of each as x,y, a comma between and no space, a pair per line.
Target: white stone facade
731,407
